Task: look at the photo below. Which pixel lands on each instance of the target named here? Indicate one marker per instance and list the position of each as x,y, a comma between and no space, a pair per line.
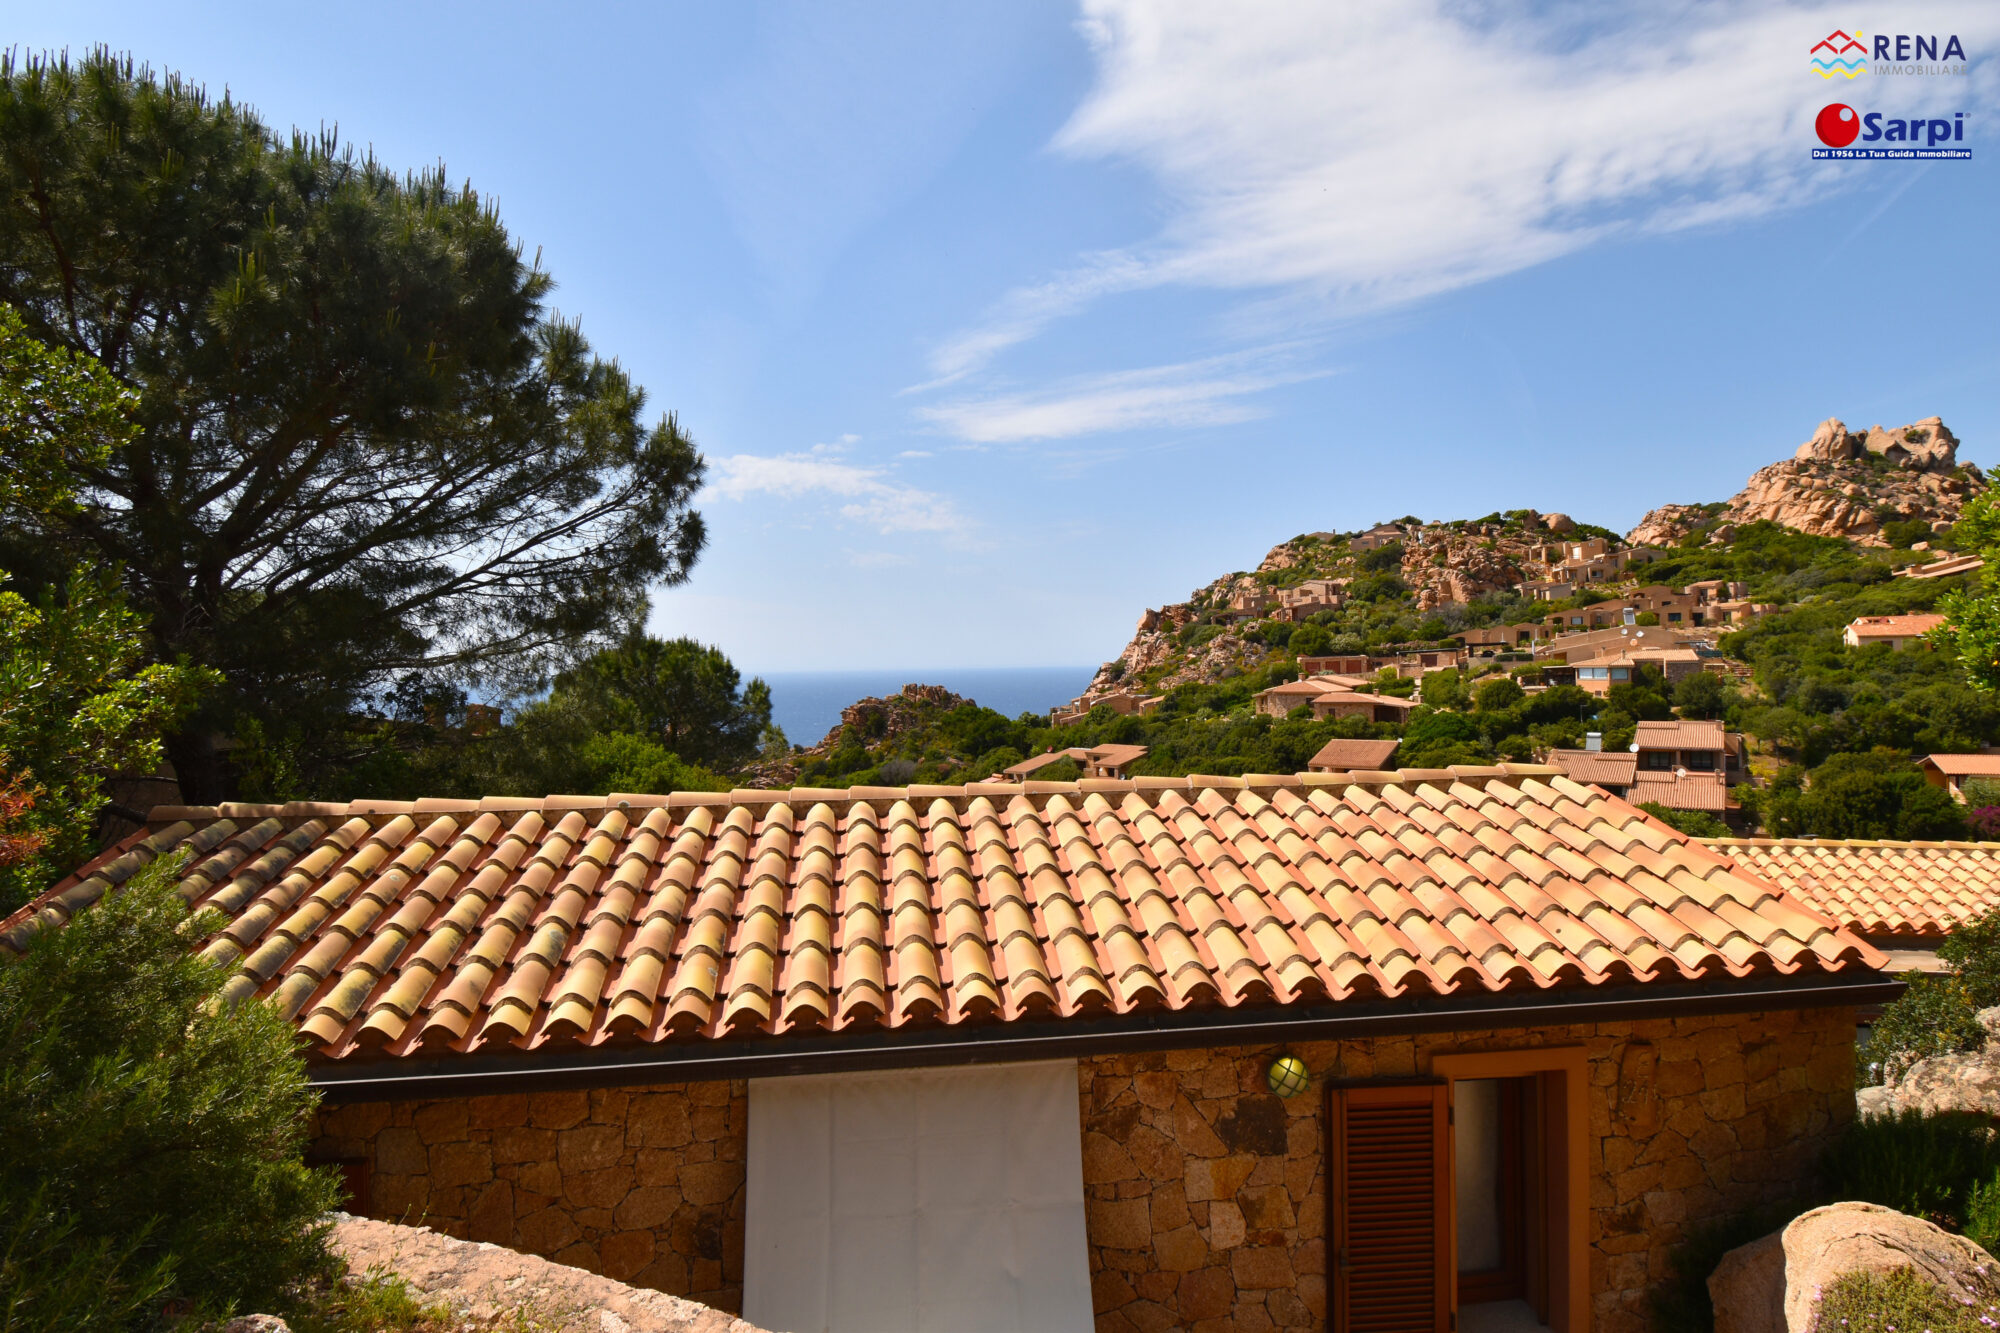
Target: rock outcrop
1443,564
1959,1081
1668,524
874,720
1841,483
486,1286
1772,1285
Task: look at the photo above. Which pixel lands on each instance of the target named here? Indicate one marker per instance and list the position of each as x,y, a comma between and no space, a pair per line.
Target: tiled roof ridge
1474,775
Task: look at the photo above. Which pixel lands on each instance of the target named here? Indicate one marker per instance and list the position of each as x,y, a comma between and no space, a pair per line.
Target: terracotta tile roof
1692,791
444,927
1339,756
1965,765
1882,627
1610,768
1117,756
1697,735
1036,763
1899,889
1355,697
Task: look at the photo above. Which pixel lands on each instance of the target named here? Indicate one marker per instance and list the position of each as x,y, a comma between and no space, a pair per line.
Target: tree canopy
364,445
78,706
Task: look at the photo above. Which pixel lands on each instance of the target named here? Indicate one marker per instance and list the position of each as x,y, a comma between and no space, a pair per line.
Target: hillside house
1280,700
1897,632
1382,534
1342,756
1597,675
1369,707
1497,638
1122,702
1943,569
899,1057
1951,771
1419,661
1250,604
1587,644
1311,597
1336,664
1681,765
1098,761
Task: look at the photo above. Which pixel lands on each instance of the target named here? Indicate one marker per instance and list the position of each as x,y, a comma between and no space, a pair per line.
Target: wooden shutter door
1390,1211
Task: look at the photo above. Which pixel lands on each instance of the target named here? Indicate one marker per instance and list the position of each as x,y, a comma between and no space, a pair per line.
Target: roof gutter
513,1071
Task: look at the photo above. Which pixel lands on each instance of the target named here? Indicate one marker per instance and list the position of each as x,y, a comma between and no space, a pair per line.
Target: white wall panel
931,1201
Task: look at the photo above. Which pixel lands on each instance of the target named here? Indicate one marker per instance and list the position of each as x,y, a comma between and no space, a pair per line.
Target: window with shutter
1391,1251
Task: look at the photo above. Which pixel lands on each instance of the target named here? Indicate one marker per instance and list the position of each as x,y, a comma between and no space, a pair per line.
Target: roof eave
406,1077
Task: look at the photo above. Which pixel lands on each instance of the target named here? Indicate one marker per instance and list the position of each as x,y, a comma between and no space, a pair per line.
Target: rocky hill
1840,483
1876,488
873,722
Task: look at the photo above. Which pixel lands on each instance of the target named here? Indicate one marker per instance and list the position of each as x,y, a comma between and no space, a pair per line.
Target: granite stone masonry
1205,1194
644,1185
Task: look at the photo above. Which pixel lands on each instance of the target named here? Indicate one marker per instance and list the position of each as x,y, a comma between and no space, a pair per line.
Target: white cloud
871,498
1194,393
1355,157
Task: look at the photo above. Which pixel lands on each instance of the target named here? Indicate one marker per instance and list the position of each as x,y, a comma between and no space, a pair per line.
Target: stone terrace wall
642,1185
1206,1195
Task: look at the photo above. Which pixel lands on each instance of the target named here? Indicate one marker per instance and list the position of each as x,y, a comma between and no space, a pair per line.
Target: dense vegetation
362,446
156,1137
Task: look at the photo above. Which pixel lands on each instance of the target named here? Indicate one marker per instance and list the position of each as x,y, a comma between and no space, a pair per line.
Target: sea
807,704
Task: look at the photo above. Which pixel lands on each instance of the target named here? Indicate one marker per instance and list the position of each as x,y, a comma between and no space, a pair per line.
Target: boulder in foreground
487,1284
1772,1284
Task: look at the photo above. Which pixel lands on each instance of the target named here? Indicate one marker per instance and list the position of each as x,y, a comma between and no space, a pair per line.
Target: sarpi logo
1839,125
1839,53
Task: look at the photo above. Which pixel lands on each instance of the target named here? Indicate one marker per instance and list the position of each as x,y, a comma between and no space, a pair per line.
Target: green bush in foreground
153,1142
1898,1300
1925,1165
1937,1015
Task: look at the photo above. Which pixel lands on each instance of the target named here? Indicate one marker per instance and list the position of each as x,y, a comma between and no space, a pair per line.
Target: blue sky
999,322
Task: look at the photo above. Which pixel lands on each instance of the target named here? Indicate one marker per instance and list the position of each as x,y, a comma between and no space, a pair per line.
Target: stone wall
643,1185
1206,1195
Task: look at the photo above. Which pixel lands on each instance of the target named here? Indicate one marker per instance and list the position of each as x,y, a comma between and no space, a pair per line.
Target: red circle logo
1837,125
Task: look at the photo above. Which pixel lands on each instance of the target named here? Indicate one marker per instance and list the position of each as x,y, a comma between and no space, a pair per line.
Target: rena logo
1839,125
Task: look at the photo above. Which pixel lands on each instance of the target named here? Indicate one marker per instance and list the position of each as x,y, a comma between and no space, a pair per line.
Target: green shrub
1680,1303
1934,1016
166,1135
1899,1300
1982,1215
1694,823
1062,770
1973,953
1917,1163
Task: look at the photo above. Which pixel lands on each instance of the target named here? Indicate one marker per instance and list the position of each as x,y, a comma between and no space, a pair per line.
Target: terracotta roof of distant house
441,929
1308,688
1684,735
1354,696
1683,791
1610,768
1036,763
1883,627
1964,765
1907,889
1338,756
1117,756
